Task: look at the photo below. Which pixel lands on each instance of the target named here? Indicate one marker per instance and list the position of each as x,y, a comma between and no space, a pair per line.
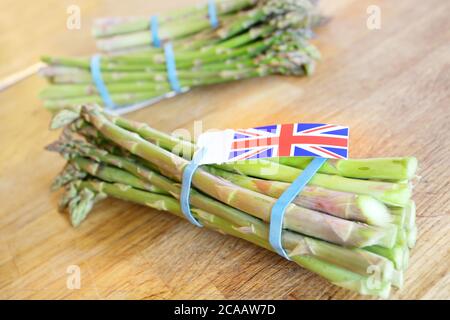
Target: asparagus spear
395,194
111,174
375,168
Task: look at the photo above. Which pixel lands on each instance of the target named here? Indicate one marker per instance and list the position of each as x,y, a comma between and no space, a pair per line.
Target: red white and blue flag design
282,140
290,140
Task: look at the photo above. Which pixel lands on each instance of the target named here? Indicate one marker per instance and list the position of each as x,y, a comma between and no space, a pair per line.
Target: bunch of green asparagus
125,34
354,223
254,38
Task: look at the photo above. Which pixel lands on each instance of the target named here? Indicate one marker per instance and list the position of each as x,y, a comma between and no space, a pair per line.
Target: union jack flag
284,140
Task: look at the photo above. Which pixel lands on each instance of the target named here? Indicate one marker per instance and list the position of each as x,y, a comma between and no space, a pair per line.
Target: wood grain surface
391,86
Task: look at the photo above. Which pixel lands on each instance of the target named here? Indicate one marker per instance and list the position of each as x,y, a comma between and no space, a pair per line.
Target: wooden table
391,86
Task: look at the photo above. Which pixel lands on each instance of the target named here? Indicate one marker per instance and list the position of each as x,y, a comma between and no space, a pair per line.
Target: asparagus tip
63,118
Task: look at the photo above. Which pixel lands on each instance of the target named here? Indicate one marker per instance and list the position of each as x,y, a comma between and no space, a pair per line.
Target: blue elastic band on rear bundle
99,83
171,67
212,13
154,28
279,208
186,182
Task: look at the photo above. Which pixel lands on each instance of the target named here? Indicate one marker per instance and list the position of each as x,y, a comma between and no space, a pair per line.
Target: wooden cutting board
391,86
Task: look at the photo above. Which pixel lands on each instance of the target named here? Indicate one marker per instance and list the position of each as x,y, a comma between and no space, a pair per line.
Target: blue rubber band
212,13
154,28
279,208
171,67
186,182
98,81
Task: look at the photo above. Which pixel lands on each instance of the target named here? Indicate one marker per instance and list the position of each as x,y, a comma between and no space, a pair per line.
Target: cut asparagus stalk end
410,211
412,237
398,278
375,211
379,168
395,254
